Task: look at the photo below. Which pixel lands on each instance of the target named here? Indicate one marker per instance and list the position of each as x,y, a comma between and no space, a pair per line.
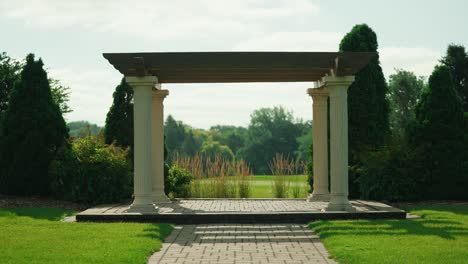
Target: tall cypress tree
368,108
367,103
33,131
119,121
438,136
457,61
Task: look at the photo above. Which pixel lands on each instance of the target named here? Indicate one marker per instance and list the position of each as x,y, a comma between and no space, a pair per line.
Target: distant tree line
271,130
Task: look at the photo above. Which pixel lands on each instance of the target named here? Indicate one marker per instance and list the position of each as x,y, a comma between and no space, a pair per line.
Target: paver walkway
240,243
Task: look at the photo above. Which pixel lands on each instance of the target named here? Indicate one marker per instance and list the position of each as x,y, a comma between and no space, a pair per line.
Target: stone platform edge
240,217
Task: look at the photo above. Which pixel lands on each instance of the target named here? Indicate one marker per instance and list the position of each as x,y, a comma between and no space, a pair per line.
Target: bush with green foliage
438,136
33,131
389,174
92,172
178,182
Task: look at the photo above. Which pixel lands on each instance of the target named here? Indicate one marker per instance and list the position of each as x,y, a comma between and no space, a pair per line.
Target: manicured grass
36,235
292,178
262,186
440,236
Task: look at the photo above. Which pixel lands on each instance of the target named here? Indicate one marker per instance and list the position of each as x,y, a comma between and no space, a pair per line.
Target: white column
157,146
320,146
142,96
338,89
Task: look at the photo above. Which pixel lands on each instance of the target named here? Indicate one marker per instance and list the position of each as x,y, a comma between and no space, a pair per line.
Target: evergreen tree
119,120
457,61
33,132
368,108
438,138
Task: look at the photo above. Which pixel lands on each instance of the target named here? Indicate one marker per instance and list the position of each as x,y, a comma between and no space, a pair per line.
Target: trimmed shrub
92,172
179,182
389,174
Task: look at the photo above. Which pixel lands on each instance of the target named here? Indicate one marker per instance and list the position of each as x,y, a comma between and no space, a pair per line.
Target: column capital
337,81
160,93
135,81
337,86
318,92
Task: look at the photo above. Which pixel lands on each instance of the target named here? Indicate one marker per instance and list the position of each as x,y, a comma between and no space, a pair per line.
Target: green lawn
293,178
36,235
440,236
262,186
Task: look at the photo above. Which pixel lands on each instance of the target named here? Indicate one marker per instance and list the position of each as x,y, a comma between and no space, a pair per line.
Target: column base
339,203
143,208
318,197
160,198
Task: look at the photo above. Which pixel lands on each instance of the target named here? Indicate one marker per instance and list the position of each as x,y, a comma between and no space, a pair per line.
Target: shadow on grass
438,223
158,231
51,214
459,209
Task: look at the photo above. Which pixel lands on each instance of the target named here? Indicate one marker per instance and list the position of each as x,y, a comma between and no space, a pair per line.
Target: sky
70,37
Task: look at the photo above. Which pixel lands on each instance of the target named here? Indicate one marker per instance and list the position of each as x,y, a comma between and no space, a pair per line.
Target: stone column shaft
338,89
320,146
142,87
157,146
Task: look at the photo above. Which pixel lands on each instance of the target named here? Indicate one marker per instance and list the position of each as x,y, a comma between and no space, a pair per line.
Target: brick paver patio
239,205
237,243
239,211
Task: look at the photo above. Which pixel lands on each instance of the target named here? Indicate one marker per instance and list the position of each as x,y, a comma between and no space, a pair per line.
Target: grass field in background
440,236
36,235
261,185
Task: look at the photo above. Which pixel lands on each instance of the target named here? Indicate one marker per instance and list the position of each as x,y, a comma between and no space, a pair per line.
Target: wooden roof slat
180,67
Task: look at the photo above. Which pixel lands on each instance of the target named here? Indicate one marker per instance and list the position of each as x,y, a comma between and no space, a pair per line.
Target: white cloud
420,60
156,20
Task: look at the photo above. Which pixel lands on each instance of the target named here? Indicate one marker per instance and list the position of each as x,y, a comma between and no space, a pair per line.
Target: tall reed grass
285,170
217,178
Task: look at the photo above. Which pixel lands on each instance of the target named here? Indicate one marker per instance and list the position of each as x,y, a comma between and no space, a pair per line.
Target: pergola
332,73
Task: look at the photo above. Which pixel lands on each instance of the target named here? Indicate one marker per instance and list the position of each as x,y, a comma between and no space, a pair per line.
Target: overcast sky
70,37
